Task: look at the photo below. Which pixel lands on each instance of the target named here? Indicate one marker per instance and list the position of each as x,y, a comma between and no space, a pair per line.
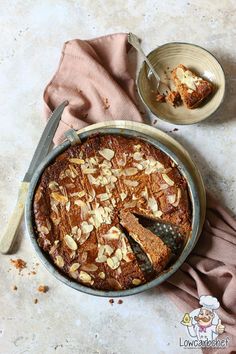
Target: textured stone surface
32,35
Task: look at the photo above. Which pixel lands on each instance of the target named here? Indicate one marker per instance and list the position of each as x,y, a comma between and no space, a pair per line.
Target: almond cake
192,88
87,202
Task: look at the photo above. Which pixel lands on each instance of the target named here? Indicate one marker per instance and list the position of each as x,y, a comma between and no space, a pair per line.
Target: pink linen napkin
210,270
93,76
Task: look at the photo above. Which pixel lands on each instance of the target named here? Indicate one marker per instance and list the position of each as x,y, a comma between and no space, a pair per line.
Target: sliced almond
43,229
84,257
131,171
101,259
108,250
88,170
93,180
171,198
102,275
59,197
136,281
85,277
56,221
158,213
123,196
103,196
89,267
113,262
118,254
108,154
74,274
178,198
113,179
167,179
68,206
78,194
77,161
53,185
164,186
137,147
53,248
139,166
70,242
86,228
93,160
114,284
116,172
138,156
84,208
144,193
113,233
74,267
59,261
74,230
159,165
131,183
152,203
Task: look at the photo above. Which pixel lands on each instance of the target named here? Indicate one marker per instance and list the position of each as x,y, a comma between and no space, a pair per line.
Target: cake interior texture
86,205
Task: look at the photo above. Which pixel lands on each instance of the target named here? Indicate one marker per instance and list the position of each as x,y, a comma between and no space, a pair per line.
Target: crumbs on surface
18,263
120,302
14,287
36,301
106,104
111,301
43,288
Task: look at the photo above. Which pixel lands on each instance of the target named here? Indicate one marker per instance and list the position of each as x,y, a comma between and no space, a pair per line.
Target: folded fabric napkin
93,76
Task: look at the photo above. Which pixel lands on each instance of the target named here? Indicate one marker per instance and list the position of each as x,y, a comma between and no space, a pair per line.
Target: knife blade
10,232
45,141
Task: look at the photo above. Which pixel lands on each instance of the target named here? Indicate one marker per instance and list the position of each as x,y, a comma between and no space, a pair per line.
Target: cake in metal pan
86,206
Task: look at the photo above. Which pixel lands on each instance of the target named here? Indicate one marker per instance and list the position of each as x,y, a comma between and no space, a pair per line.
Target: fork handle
10,232
134,41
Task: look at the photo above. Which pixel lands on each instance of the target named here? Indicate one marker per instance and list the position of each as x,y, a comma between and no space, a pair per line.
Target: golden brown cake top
192,88
80,195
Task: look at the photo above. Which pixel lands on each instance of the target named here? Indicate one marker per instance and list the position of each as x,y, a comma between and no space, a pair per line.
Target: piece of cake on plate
192,88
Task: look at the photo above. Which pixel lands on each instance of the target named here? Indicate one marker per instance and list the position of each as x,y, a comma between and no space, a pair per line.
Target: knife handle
10,232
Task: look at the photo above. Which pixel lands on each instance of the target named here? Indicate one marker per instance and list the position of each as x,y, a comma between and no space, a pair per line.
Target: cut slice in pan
158,253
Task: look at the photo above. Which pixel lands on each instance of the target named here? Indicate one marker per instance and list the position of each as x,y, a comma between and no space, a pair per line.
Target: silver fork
134,41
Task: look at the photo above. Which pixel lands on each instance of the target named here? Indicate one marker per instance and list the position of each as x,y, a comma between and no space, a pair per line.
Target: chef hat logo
209,302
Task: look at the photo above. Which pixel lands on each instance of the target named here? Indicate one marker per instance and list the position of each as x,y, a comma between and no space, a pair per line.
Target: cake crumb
33,272
35,301
14,287
106,104
155,121
111,301
160,97
175,129
43,288
18,263
120,302
173,98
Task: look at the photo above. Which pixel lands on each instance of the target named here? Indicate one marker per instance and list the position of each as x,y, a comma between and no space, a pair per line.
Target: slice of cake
157,252
192,88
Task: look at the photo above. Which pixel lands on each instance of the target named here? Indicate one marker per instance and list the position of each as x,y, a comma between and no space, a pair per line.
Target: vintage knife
9,235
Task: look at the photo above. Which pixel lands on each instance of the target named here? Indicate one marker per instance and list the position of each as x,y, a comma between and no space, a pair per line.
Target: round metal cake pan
194,193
